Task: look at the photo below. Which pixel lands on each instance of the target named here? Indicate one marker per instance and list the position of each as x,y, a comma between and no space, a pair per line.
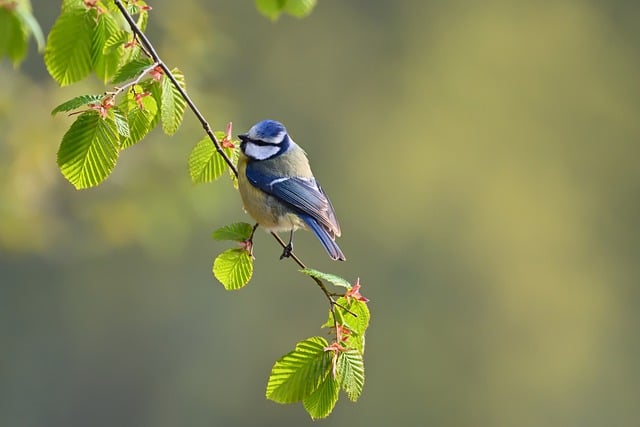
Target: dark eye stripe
262,143
246,139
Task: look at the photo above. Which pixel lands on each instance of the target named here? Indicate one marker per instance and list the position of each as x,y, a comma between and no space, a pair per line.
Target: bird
279,190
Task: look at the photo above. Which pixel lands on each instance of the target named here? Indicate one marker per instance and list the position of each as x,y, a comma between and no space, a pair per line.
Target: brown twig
148,48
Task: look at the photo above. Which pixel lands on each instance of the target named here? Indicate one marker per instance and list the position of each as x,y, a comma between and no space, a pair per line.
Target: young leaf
357,325
238,232
77,102
360,323
322,401
105,63
233,268
270,8
336,280
153,87
139,119
131,70
143,16
297,374
67,54
89,150
350,373
205,163
13,37
299,8
173,105
122,125
273,8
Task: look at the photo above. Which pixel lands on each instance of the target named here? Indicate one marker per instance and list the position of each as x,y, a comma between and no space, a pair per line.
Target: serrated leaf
359,308
143,16
67,54
322,401
105,63
153,87
173,104
237,232
122,125
299,8
13,38
131,70
350,373
357,324
139,119
233,268
71,5
205,162
360,322
77,102
89,150
297,374
336,280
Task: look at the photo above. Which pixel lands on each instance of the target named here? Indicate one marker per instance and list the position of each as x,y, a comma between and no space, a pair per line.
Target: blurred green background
483,161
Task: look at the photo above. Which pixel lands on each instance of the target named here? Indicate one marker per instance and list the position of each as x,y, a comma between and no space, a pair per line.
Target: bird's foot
286,253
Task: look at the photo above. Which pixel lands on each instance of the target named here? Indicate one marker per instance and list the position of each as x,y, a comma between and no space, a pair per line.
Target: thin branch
148,48
120,89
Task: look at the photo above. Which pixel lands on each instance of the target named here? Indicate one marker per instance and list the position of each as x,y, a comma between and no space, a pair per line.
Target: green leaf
173,104
131,70
270,8
89,150
139,119
233,268
299,8
350,373
122,125
30,24
357,325
13,37
72,5
322,401
67,54
77,102
297,374
336,280
360,323
105,62
153,87
206,163
273,8
143,16
237,232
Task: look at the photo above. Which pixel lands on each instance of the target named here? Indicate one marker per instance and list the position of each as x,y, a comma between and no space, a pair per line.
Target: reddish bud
226,141
138,98
342,333
354,293
157,73
131,44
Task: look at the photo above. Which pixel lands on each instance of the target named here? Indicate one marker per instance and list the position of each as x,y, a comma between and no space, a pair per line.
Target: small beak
243,137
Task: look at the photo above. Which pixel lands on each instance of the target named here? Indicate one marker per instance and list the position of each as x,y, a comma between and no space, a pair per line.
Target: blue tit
279,190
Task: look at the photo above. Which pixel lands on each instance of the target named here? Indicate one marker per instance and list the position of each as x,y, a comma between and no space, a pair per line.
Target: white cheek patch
260,152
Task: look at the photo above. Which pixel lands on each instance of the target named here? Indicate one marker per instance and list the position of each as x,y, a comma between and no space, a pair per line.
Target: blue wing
303,194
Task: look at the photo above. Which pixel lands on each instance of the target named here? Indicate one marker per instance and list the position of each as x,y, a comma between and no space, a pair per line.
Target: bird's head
265,139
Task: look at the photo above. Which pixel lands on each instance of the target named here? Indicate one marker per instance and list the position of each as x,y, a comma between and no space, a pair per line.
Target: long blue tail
327,241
